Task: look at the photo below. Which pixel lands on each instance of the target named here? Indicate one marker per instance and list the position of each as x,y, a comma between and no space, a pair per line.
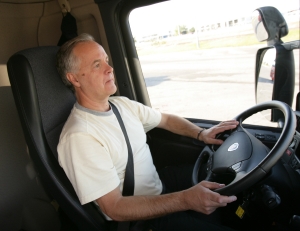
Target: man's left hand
209,136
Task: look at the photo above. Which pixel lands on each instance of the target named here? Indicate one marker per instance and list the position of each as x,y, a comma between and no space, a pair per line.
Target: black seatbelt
128,185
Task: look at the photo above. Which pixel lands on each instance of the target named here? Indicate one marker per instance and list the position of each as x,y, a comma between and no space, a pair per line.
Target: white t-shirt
93,153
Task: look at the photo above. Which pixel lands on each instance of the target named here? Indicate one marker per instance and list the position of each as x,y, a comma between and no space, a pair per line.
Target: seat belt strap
68,25
128,186
65,6
68,29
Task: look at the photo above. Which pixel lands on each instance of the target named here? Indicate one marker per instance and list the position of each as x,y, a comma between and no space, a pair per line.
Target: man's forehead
90,50
88,45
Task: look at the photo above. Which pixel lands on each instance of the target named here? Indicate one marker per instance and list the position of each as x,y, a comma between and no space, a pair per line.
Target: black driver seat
44,103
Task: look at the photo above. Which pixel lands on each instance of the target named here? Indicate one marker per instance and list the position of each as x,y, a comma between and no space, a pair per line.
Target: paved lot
214,84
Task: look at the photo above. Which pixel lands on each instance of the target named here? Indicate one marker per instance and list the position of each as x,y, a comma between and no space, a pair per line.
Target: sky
159,18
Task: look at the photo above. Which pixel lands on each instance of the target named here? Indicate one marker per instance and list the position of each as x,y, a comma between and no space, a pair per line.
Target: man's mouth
110,80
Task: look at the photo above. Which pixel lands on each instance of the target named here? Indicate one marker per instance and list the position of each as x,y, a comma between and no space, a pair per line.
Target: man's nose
109,68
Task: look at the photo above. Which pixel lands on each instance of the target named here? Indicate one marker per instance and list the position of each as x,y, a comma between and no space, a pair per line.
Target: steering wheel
242,160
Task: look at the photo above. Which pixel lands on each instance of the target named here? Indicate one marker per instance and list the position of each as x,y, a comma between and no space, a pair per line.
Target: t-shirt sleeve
149,117
88,166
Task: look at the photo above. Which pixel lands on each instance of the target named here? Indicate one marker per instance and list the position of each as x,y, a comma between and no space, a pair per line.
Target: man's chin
114,90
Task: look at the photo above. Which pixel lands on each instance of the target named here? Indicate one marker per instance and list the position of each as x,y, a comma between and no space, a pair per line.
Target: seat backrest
44,103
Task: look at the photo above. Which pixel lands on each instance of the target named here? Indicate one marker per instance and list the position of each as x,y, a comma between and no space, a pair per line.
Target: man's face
94,79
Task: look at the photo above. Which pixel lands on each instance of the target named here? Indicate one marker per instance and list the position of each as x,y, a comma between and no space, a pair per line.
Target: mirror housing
275,65
269,25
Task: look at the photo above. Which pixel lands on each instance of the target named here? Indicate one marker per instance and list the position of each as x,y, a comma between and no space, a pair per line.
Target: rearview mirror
275,76
265,79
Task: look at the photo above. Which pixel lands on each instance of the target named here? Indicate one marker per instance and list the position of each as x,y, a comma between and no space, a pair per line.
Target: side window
198,60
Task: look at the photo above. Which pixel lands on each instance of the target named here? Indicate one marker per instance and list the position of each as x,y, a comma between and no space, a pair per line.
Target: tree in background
192,30
181,29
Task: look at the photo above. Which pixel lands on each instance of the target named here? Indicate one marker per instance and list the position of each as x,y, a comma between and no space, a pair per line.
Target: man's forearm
199,198
179,126
145,207
184,127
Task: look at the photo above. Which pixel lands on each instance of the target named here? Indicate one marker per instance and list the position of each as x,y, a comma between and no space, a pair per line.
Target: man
272,72
93,152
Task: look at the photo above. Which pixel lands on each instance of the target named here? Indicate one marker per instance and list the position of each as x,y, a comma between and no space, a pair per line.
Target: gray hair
66,61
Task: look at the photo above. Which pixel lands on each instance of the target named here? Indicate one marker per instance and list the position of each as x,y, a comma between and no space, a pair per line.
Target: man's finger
221,199
226,199
214,141
211,185
226,126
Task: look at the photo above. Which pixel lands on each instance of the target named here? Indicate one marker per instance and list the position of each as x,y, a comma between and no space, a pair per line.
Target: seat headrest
42,90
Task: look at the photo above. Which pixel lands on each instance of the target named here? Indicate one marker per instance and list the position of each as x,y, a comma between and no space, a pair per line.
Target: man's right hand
199,198
202,199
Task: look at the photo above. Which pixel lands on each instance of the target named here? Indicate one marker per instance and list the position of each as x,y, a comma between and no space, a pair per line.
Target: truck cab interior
35,192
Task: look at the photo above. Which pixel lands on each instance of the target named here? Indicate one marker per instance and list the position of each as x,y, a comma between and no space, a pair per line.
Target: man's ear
73,79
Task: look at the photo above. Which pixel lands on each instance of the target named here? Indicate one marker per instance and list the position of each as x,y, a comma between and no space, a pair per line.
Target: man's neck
97,105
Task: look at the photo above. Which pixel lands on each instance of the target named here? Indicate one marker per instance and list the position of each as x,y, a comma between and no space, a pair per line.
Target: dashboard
297,113
292,154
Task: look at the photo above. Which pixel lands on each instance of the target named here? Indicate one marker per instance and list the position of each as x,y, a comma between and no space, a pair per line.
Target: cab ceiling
24,1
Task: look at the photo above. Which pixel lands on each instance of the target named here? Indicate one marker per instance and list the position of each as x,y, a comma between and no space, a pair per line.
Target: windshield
198,59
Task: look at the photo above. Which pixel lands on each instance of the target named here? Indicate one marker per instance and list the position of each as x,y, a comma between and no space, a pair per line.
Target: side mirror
275,76
275,65
269,25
